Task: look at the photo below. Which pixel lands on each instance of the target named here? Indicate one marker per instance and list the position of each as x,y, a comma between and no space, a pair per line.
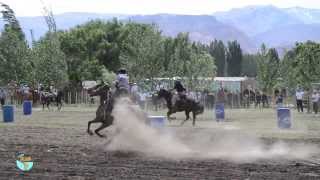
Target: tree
144,51
302,64
50,64
15,61
249,65
268,68
181,57
200,66
234,59
217,50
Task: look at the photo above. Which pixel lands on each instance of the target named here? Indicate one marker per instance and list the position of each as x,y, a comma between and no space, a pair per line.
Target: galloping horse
189,105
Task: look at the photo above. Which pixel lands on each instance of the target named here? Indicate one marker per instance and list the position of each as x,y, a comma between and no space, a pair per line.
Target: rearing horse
189,105
103,114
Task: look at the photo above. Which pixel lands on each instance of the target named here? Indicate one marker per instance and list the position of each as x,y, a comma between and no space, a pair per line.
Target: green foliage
234,59
144,51
218,51
268,68
249,65
301,65
50,61
15,61
11,22
107,76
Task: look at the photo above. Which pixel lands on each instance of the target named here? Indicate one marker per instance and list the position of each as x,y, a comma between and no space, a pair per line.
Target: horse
189,105
103,113
58,99
46,99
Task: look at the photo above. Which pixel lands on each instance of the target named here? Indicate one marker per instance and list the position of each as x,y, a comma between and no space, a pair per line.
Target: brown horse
188,105
103,114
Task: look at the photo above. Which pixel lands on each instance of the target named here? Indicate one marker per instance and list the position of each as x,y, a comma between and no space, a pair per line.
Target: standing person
315,100
221,96
2,97
299,99
258,99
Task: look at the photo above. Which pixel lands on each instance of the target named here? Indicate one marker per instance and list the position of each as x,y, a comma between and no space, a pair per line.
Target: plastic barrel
219,111
284,118
157,121
27,107
8,114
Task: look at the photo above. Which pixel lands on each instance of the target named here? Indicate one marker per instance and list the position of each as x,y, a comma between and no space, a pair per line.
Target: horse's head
164,94
99,91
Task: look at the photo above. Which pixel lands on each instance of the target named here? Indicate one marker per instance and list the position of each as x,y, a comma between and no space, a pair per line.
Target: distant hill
287,35
254,20
274,26
201,28
250,25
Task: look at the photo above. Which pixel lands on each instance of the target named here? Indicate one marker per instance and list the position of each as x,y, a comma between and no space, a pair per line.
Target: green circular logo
24,162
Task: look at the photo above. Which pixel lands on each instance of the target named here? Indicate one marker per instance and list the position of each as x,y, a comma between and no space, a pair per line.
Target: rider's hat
122,71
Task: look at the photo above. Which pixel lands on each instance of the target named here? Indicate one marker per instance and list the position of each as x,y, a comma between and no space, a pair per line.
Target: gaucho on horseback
181,92
107,100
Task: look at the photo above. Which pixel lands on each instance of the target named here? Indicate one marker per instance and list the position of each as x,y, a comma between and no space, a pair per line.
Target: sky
194,7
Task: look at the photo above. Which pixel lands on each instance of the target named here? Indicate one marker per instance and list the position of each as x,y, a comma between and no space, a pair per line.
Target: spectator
258,99
143,100
315,100
299,99
221,96
2,97
265,102
279,100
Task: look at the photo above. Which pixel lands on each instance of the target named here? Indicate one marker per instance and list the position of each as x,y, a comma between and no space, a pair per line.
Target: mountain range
251,26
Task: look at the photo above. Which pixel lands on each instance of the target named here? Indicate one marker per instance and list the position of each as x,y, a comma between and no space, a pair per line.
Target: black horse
47,98
188,105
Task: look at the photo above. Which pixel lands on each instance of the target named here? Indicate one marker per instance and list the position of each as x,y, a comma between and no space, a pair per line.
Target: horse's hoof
102,136
90,133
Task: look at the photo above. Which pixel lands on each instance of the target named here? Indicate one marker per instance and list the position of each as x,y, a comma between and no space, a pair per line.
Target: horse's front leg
194,118
169,113
188,117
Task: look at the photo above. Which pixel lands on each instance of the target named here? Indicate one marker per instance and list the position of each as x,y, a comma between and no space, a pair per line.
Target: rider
122,82
181,91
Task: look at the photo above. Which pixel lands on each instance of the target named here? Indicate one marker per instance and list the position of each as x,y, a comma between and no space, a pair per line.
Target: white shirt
315,97
299,95
134,89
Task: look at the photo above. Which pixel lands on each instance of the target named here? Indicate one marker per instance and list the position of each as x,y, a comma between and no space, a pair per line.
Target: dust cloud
195,143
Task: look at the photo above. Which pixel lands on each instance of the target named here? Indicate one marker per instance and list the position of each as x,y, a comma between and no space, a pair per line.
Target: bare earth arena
248,145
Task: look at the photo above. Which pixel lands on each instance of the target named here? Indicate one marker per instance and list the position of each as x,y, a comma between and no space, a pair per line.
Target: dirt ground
61,149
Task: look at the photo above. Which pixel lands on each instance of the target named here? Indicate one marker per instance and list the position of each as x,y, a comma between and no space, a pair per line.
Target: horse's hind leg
103,125
188,117
96,120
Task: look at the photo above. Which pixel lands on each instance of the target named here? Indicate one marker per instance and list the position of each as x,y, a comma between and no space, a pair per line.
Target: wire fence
148,100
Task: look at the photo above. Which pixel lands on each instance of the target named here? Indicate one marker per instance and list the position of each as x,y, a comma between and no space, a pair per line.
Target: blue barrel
27,107
157,121
8,115
219,111
284,118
